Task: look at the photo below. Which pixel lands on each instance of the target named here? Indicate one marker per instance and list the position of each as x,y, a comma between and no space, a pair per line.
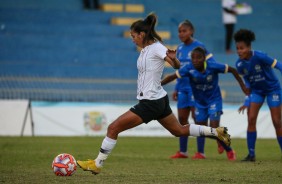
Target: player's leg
220,147
276,119
175,128
230,153
185,103
201,116
201,140
183,114
256,102
126,121
228,37
144,111
214,122
274,103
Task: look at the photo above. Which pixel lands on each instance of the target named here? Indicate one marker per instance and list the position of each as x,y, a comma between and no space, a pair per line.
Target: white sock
208,131
200,130
194,130
107,146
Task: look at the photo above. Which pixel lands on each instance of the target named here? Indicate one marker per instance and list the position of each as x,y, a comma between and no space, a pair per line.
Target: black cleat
249,159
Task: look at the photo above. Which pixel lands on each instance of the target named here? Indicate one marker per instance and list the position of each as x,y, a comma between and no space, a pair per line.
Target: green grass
136,160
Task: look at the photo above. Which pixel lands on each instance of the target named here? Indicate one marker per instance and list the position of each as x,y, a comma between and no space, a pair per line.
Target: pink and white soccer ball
64,165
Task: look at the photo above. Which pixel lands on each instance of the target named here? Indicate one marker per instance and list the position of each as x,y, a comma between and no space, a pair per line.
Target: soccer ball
64,165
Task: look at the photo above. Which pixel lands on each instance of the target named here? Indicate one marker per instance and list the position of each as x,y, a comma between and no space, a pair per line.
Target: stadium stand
56,51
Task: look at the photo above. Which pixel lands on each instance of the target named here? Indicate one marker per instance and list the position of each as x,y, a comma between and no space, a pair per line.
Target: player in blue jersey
183,92
257,70
203,76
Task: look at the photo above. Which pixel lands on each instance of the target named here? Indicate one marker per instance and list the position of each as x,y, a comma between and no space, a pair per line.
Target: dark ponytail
148,27
188,24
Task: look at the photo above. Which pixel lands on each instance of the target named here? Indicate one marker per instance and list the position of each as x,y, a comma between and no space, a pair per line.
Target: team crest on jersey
258,68
209,78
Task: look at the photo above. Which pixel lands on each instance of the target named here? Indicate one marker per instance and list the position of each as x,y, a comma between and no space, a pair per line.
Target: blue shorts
212,112
185,99
273,99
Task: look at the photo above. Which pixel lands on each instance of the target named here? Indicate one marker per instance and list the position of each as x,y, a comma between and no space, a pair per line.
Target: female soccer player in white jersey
257,69
153,100
203,77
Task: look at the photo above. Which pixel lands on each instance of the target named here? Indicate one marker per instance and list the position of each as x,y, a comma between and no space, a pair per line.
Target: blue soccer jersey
258,73
204,85
183,54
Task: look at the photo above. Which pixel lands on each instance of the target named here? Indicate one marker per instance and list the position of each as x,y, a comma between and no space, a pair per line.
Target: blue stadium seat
50,39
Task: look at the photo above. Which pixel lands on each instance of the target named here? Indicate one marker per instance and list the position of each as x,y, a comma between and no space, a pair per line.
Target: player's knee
113,129
183,120
277,124
252,121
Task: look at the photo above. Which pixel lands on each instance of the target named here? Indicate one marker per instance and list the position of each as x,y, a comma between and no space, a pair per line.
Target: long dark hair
148,27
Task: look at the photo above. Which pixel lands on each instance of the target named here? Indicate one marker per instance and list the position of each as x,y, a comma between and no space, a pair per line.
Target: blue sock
201,144
226,148
251,140
183,141
280,142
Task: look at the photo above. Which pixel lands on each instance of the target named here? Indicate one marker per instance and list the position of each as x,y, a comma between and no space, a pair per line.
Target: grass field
136,160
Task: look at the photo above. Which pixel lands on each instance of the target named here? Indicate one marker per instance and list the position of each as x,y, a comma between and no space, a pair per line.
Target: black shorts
150,110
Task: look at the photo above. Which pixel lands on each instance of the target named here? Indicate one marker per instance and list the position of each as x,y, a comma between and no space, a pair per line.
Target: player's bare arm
239,79
168,79
171,59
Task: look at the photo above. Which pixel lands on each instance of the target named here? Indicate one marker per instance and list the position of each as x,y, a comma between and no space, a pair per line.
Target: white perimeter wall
79,119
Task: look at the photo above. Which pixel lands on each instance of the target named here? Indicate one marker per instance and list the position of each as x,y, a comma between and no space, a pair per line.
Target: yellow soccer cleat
89,165
223,135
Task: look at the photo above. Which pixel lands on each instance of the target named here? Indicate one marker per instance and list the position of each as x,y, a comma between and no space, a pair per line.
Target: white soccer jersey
228,18
150,65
